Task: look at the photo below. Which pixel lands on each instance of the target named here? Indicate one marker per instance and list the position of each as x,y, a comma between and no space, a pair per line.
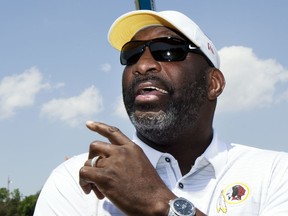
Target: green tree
12,204
4,199
4,195
27,205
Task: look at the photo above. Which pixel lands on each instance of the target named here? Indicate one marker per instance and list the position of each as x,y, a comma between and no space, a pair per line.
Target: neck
186,147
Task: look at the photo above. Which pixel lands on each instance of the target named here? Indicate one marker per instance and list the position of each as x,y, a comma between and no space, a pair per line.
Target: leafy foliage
12,203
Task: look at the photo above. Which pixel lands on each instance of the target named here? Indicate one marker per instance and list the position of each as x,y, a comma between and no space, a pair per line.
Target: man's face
163,99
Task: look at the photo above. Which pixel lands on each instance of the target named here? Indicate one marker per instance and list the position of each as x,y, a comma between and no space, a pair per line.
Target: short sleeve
62,194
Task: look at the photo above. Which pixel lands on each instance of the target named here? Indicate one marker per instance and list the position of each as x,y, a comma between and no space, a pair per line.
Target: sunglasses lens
131,52
162,49
168,51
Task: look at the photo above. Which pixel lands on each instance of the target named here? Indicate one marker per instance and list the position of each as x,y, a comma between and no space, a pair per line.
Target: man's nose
147,63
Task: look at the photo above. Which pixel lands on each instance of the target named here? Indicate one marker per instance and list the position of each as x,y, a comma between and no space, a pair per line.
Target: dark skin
123,173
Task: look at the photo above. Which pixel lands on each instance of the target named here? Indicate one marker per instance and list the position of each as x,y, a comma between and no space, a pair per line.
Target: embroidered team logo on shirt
233,194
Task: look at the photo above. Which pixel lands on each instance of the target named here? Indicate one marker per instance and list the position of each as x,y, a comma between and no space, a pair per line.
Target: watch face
183,207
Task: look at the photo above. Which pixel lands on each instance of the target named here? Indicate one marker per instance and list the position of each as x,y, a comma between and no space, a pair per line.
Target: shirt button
167,160
181,185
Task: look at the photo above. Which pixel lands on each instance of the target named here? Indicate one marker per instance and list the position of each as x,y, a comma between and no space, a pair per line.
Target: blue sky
57,70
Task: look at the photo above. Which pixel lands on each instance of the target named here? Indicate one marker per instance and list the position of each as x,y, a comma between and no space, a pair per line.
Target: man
175,165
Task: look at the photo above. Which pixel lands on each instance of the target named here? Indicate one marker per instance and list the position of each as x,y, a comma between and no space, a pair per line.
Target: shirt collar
216,153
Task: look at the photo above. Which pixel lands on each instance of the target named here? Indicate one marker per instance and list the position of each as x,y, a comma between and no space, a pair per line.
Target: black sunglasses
164,49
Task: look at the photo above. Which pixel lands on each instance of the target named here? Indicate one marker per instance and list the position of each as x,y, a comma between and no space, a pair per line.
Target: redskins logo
232,195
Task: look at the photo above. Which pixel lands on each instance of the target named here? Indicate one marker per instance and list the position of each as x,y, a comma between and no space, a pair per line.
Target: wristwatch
181,207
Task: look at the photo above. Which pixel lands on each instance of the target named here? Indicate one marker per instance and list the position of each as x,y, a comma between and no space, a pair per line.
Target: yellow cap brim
126,26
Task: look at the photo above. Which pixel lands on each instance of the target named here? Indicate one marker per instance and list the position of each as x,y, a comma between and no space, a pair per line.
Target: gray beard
183,112
155,127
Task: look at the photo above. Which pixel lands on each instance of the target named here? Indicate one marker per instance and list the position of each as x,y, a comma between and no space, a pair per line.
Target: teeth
161,90
157,89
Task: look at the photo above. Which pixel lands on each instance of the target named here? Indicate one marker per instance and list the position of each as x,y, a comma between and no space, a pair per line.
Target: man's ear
216,84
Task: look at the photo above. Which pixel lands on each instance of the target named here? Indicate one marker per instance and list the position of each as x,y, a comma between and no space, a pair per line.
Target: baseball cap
127,25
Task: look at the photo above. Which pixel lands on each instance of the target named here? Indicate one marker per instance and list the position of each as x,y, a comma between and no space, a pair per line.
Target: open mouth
150,96
149,89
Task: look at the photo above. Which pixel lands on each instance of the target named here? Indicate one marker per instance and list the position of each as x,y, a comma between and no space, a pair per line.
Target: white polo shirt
228,179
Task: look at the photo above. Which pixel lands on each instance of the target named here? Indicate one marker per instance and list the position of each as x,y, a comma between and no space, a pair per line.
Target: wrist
161,207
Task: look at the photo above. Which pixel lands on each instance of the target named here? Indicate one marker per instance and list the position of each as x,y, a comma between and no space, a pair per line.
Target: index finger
113,134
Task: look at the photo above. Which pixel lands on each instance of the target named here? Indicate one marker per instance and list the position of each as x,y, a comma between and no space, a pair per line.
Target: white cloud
74,110
106,67
120,110
19,90
250,82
